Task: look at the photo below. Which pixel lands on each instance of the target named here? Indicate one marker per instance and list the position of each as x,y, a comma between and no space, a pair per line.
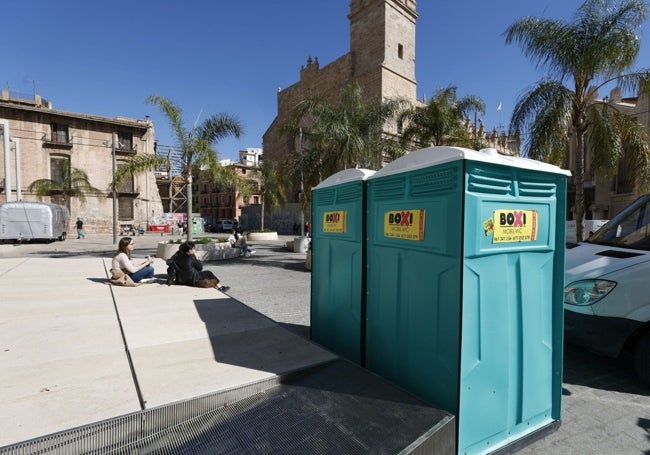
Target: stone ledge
261,236
214,251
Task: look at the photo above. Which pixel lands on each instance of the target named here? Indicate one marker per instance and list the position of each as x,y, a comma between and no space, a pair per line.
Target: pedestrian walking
80,229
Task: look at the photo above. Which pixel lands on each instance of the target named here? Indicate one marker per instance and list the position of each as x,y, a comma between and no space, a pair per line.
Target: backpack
171,272
119,278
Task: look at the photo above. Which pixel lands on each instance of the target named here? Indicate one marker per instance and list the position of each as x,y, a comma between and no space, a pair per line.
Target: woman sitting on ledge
239,241
142,273
189,271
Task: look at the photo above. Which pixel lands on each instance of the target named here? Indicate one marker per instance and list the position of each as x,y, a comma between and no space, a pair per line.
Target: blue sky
106,58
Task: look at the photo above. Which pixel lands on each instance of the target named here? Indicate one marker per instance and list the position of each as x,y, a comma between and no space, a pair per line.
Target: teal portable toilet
337,245
465,271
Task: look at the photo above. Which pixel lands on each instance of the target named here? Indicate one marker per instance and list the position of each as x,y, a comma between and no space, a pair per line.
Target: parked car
606,298
226,225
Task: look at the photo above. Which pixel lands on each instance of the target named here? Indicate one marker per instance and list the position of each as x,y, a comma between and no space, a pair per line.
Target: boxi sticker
404,224
513,226
334,221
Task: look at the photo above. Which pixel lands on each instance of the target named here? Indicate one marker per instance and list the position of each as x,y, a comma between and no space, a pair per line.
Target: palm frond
44,187
75,183
173,114
442,120
136,165
220,126
545,112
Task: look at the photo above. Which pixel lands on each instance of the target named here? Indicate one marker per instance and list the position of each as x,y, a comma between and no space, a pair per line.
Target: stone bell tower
382,47
381,59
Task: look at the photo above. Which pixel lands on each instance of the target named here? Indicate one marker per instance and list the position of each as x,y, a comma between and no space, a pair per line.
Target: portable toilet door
465,279
338,263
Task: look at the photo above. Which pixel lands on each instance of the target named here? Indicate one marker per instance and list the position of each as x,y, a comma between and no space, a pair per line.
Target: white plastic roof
345,176
438,155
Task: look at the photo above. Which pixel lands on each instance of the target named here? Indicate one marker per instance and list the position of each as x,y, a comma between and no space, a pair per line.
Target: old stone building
607,195
39,142
381,60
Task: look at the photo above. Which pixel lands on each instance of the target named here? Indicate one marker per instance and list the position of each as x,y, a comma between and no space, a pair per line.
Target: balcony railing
127,189
126,148
58,140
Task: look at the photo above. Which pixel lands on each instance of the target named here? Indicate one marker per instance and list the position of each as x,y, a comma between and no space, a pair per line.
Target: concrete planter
261,236
298,244
213,251
301,244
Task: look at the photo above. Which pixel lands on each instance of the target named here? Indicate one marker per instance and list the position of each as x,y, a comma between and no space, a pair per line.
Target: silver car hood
588,261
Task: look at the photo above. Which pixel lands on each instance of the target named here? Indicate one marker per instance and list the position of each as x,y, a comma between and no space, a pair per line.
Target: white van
226,225
606,294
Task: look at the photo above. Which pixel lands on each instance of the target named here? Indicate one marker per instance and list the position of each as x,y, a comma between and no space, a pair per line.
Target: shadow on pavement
102,280
645,425
586,369
296,265
300,330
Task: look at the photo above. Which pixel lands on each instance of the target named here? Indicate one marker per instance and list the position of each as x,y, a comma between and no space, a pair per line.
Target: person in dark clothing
80,229
187,269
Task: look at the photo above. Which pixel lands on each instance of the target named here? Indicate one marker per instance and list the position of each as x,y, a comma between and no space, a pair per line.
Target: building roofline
133,123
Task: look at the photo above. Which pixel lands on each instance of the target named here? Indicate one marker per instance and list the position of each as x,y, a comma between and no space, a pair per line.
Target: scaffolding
171,172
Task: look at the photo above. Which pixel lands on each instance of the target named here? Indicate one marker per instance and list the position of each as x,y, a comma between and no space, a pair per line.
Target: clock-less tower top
382,47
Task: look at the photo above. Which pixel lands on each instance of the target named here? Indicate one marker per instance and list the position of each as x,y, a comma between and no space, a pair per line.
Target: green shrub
199,240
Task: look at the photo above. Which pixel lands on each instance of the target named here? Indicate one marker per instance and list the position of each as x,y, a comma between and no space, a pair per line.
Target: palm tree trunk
579,180
262,216
189,205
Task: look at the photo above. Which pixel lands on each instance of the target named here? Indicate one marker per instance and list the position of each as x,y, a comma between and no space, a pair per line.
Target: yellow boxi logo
401,218
334,221
516,218
513,226
404,224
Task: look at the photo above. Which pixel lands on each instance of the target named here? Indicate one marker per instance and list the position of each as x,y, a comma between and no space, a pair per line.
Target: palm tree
330,137
347,134
599,46
305,165
272,189
441,121
73,183
196,144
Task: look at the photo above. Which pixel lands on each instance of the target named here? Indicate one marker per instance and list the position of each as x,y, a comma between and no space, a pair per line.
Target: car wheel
642,357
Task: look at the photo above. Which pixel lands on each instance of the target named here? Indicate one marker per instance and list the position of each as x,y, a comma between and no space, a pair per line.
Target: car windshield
628,229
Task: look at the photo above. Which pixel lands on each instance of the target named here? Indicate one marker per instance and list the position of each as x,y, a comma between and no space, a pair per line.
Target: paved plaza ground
605,408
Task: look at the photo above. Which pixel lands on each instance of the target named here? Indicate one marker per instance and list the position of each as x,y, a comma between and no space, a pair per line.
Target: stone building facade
37,140
381,60
607,195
